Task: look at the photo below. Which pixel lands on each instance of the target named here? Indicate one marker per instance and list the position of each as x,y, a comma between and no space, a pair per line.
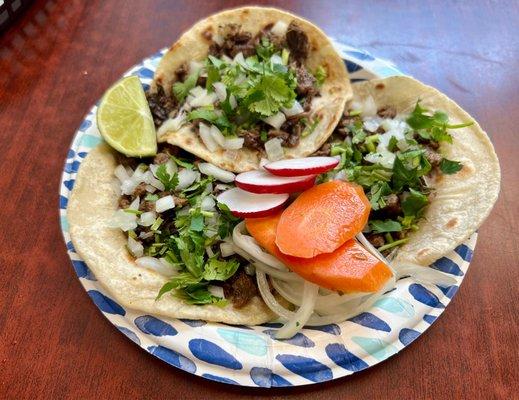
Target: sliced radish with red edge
302,166
249,205
264,182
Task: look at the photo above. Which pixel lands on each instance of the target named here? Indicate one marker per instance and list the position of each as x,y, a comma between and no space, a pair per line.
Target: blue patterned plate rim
248,355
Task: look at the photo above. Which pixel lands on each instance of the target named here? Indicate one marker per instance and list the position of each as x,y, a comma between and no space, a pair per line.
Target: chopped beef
278,133
392,205
165,152
126,161
161,105
376,239
181,72
125,201
180,201
387,112
432,156
234,41
201,81
252,140
288,139
324,150
146,206
240,288
161,158
297,42
305,82
140,190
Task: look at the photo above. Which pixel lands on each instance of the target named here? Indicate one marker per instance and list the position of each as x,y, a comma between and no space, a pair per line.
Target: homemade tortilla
194,45
461,201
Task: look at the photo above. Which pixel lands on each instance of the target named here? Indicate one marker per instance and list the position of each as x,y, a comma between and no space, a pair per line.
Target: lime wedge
124,119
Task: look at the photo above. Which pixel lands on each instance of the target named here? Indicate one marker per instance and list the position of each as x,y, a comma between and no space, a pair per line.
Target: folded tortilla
461,201
193,45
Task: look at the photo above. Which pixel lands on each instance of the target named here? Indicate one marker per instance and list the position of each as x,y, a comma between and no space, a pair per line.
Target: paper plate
249,355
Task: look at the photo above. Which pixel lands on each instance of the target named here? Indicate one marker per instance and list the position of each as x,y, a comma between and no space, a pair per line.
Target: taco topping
394,158
250,90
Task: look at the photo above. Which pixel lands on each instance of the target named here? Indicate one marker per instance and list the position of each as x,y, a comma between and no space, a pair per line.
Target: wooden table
57,61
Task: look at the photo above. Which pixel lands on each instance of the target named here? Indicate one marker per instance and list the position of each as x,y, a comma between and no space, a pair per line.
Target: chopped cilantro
220,270
169,181
265,49
151,197
414,203
269,95
212,116
320,75
450,167
181,89
388,225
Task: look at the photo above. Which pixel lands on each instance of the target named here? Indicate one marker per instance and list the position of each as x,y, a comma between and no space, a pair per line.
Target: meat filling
240,288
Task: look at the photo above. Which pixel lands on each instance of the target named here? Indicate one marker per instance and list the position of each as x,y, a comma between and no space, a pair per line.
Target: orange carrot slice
322,218
350,268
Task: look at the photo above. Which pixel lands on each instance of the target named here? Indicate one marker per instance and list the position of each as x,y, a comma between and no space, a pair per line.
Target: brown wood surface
56,62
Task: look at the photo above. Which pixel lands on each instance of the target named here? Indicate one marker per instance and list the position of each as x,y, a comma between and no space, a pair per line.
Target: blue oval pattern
306,367
264,377
332,329
406,336
343,358
448,266
297,340
130,334
63,202
429,318
371,321
220,379
154,326
105,303
449,291
69,184
194,323
464,252
82,270
424,296
213,354
173,358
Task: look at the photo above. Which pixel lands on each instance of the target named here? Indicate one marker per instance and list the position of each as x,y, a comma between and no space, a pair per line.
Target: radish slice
249,205
301,166
263,182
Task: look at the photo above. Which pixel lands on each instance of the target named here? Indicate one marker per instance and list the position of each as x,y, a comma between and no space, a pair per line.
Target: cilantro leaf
197,223
182,163
414,204
408,167
388,225
269,95
213,75
220,120
450,167
265,49
220,270
181,89
320,75
199,295
169,181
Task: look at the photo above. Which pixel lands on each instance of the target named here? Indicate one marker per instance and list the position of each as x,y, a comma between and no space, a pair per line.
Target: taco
247,84
413,176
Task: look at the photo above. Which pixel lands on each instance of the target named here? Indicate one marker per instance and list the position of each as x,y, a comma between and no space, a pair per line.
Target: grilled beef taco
249,83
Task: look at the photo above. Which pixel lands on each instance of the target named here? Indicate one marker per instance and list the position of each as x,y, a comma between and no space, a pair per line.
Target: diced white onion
208,204
172,124
226,58
216,172
165,203
123,220
232,101
128,186
250,269
216,291
279,28
384,158
263,162
155,265
147,218
226,143
195,67
218,39
221,187
217,135
276,59
294,110
135,247
205,134
134,205
220,90
226,249
371,124
369,108
275,120
146,235
200,97
121,173
151,189
239,59
186,177
209,251
274,150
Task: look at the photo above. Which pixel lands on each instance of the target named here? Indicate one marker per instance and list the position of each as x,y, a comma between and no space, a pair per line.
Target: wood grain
57,61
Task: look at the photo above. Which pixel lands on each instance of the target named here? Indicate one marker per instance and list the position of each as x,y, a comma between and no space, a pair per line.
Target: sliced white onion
216,172
424,274
135,247
147,218
216,291
274,149
208,140
279,28
207,204
275,120
155,265
226,143
123,220
220,90
121,173
165,203
172,124
294,110
227,249
186,177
